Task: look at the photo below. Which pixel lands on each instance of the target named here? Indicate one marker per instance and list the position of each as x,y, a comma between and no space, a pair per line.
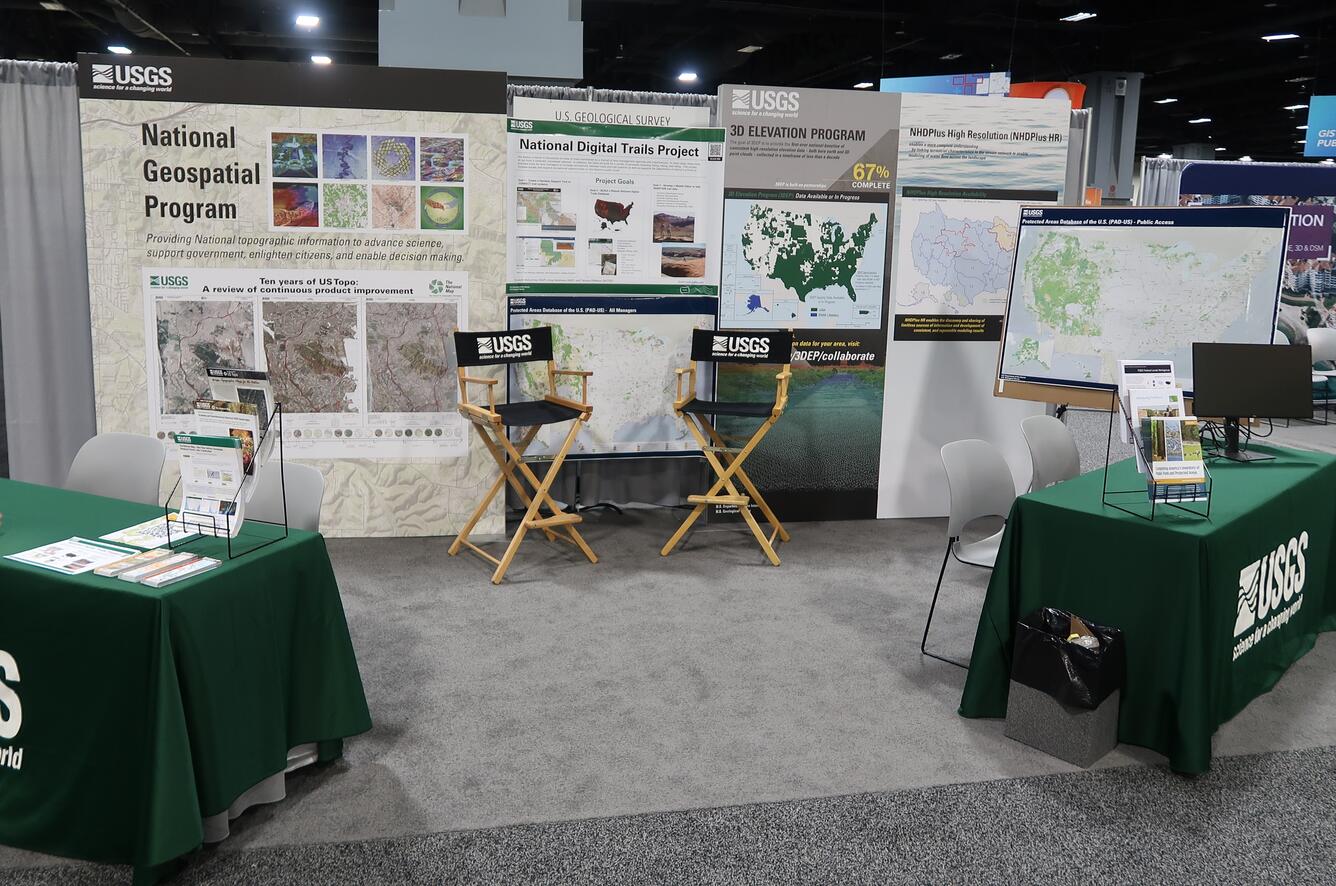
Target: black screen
1243,381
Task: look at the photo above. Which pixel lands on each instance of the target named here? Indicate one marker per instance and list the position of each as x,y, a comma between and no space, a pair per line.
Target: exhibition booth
384,302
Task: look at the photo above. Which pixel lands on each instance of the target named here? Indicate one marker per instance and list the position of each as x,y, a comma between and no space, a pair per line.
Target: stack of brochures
1171,447
158,567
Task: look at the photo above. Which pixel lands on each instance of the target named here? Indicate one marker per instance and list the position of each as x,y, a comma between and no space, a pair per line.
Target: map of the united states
802,253
968,256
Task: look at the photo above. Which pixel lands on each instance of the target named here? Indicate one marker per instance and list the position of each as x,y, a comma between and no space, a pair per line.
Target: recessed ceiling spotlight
1165,101
307,21
321,60
1295,107
1077,17
687,76
1200,120
1219,149
949,57
119,50
1304,126
866,84
1304,79
1272,38
751,48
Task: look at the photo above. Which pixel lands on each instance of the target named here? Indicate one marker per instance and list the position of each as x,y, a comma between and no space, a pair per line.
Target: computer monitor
1235,381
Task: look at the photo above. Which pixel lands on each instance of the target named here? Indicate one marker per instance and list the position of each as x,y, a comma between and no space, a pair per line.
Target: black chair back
736,346
493,348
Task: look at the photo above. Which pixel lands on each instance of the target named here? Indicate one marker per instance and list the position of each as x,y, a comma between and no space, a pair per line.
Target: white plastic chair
305,492
981,485
125,466
1053,452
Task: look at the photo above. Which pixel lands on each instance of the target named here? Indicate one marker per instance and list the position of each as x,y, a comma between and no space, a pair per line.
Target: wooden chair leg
462,539
752,491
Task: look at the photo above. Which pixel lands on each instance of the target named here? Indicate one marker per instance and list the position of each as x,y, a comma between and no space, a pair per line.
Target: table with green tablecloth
144,710
1213,611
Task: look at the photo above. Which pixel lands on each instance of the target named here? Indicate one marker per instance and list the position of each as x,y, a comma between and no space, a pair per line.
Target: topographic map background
402,496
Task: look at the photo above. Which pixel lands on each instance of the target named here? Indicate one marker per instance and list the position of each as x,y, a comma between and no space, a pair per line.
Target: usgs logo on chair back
516,345
1270,592
740,346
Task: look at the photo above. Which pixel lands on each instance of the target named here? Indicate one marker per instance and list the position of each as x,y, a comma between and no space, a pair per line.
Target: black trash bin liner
1069,672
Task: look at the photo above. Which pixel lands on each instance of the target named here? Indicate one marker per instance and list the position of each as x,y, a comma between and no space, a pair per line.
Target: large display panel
332,226
1094,286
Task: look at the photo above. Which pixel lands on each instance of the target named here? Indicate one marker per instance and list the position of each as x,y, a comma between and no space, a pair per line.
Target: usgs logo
740,346
505,345
168,281
766,102
11,711
132,75
1268,585
521,126
1032,213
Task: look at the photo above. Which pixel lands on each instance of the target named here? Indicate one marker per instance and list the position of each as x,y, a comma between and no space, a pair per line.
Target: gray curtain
44,321
1160,177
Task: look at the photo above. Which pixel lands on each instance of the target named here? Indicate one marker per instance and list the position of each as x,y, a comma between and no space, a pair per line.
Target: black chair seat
535,412
698,406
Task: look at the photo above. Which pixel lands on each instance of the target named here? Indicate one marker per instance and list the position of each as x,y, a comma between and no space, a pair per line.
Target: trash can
1066,679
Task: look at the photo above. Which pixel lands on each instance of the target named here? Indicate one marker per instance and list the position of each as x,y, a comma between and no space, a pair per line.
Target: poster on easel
328,225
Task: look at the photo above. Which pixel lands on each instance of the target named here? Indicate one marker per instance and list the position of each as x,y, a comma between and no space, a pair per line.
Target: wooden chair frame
727,464
515,470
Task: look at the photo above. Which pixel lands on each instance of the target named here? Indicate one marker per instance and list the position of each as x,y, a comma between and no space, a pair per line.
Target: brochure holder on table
1167,498
211,529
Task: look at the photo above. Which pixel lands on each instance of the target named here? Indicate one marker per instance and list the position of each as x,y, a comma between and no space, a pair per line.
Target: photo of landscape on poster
1095,286
814,263
632,344
357,359
608,205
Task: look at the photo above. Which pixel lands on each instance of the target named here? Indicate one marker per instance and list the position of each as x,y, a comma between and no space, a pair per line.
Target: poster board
1092,286
329,224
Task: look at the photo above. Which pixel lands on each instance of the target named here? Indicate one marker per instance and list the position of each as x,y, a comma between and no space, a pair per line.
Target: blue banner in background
995,83
1321,134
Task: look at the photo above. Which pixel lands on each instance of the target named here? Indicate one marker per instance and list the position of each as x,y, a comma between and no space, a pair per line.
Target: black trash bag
1076,673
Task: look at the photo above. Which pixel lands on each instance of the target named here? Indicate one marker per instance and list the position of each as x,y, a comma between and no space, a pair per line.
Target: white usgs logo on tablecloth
1270,592
11,711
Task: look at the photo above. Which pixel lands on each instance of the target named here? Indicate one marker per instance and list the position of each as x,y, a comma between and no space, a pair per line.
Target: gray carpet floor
1252,819
703,680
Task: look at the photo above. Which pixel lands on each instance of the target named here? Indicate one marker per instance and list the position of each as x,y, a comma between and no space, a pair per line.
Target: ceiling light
1302,141
1219,149
1271,38
1200,120
308,21
1077,17
119,50
1303,79
1165,101
1304,126
1295,107
751,48
866,84
1246,158
687,76
321,59
52,6
949,57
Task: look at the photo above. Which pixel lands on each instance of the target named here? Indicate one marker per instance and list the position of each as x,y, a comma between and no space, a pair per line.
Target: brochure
210,515
143,558
152,533
1140,375
229,418
250,386
195,567
139,573
1153,402
73,556
211,480
1173,451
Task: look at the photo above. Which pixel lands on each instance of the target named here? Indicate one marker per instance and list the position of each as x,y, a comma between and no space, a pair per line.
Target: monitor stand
1231,450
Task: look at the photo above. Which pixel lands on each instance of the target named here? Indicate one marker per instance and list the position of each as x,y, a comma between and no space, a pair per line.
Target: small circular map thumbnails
442,209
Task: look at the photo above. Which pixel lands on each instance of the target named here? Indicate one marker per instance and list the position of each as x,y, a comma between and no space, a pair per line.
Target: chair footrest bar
726,449
739,500
481,553
554,520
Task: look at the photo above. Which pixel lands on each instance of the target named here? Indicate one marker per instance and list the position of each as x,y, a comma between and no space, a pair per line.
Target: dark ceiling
1208,55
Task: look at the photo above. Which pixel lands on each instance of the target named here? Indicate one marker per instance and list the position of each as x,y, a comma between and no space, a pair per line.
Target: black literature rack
1110,497
275,421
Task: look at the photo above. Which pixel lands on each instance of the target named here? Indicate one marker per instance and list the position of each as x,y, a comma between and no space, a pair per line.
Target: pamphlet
250,386
211,480
134,561
1173,451
139,573
1140,375
1153,402
152,533
175,574
229,418
73,556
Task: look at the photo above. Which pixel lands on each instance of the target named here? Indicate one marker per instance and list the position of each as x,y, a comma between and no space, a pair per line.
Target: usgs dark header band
491,348
226,82
1187,216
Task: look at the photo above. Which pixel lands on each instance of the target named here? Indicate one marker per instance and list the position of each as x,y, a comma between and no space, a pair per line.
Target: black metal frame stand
275,418
1135,436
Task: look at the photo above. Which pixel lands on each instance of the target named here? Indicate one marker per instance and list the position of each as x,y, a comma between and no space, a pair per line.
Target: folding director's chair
491,422
749,347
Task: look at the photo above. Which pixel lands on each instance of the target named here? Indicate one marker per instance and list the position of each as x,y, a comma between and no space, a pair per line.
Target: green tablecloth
1199,647
143,709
